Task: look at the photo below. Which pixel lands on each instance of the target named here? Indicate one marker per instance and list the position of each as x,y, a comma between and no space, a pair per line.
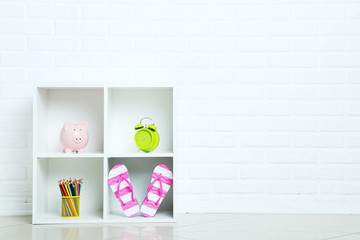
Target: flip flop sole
154,195
123,192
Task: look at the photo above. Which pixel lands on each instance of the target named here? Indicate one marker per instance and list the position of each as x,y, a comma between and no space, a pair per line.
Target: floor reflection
110,232
66,233
195,226
136,232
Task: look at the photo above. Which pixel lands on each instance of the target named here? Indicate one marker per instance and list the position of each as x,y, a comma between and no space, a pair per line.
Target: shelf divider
140,155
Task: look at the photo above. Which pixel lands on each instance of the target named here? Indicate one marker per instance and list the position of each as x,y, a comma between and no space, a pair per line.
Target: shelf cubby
54,106
140,170
47,195
126,106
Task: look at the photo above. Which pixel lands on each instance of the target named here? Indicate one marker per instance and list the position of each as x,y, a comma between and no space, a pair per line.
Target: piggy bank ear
67,126
84,124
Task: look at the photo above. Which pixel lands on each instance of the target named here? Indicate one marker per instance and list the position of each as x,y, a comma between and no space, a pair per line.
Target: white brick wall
268,105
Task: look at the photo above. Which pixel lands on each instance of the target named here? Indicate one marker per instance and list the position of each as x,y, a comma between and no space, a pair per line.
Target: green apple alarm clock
146,137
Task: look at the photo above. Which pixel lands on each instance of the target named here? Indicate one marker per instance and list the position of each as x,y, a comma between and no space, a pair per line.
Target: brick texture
269,102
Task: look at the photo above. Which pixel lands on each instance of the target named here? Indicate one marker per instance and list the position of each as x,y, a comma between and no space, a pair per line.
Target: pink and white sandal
161,181
119,182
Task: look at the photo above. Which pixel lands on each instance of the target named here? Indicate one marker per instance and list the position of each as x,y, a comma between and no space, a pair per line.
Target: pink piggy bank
74,137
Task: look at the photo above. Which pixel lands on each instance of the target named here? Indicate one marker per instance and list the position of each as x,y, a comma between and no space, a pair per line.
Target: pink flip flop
119,182
161,181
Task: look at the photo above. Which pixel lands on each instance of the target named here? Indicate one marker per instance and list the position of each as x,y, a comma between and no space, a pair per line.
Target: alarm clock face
143,139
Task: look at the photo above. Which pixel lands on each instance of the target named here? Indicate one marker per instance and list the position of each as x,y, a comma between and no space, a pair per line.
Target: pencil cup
70,207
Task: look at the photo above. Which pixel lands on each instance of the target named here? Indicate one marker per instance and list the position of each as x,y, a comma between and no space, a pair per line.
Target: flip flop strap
120,179
158,178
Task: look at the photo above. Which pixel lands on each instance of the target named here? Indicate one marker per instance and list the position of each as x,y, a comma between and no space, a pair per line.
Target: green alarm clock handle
146,137
140,125
146,118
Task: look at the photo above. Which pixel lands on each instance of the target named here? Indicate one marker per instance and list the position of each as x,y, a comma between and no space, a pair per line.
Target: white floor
196,226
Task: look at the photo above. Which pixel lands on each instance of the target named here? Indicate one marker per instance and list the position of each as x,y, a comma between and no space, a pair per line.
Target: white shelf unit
112,112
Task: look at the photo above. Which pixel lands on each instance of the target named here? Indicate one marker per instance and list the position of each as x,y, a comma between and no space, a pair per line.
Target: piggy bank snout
78,138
